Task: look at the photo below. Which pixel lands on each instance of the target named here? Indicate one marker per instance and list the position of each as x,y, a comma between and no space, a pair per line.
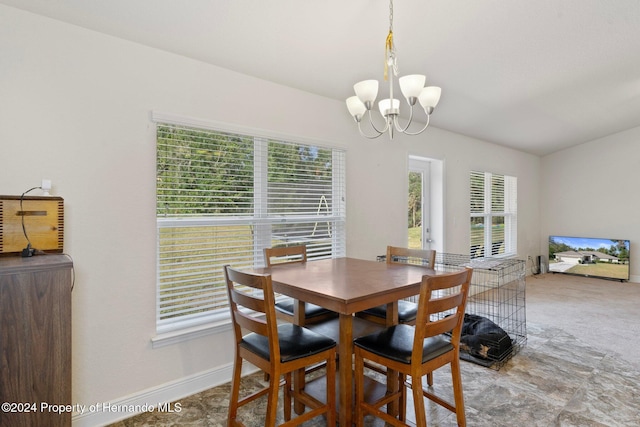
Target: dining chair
276,349
417,350
285,306
407,310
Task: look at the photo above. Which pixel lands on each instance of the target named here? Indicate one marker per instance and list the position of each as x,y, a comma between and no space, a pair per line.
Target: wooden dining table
346,286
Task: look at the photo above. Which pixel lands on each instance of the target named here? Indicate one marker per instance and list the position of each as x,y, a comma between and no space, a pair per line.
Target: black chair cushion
407,311
310,310
295,342
396,343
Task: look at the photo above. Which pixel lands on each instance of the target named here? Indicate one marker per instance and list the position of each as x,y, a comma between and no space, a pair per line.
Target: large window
494,225
222,198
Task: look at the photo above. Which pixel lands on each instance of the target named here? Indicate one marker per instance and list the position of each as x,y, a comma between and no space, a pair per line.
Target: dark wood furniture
347,286
416,351
35,339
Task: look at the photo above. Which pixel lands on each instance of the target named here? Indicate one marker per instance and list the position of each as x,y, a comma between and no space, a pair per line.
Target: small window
493,207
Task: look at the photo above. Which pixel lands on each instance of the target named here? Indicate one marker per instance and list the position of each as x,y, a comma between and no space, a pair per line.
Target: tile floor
555,380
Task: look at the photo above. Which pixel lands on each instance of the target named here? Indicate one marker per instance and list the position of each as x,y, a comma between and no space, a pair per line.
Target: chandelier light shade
412,87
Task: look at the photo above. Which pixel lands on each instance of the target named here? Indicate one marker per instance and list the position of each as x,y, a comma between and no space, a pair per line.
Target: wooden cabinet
35,340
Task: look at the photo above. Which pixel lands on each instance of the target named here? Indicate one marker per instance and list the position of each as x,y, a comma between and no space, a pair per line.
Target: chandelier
412,87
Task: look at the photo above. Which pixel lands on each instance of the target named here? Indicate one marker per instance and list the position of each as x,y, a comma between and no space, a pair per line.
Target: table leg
345,350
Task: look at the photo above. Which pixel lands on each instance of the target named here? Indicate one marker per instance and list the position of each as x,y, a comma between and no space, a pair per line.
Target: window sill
178,336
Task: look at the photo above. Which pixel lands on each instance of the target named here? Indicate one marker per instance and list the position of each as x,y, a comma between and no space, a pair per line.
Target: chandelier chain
390,60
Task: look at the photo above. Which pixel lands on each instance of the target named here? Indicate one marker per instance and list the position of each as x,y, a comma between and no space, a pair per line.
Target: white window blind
222,198
493,207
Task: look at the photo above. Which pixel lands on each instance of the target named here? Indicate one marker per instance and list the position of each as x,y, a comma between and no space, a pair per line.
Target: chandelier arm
421,130
400,129
386,127
378,133
368,136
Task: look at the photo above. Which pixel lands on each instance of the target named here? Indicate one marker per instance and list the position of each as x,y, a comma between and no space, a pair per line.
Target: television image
588,256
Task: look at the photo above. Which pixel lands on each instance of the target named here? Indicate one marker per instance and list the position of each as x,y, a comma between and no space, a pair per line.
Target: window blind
222,198
493,208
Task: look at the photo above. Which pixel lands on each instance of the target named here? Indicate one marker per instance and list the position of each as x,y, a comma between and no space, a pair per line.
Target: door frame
432,200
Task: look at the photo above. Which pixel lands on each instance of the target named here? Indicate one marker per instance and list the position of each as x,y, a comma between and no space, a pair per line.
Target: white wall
75,107
591,191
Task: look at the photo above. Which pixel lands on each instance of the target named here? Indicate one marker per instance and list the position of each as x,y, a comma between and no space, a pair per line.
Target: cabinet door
35,346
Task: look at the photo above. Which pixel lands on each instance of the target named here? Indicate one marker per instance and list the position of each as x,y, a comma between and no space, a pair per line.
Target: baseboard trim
156,398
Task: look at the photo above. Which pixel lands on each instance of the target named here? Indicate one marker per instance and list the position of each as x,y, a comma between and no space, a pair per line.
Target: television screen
588,256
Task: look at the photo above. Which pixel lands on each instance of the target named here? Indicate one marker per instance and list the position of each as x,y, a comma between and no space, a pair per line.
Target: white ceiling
538,76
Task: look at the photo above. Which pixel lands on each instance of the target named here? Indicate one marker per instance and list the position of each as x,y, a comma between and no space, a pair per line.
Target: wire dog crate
497,293
496,297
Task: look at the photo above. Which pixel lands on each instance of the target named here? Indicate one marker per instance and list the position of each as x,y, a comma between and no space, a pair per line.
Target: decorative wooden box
41,219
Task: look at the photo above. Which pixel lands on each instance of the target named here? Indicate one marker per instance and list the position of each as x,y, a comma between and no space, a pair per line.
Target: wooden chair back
398,255
441,307
285,255
255,293
285,307
258,341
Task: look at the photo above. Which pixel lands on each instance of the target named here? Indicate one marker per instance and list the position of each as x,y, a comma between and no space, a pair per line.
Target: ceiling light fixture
412,88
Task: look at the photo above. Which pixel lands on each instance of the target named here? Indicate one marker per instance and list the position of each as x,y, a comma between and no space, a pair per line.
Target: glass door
419,231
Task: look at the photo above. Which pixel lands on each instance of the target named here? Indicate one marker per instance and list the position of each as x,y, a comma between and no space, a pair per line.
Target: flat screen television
589,256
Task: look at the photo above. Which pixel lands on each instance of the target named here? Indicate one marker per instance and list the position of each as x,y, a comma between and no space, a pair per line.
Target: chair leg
457,392
287,397
235,391
331,391
430,379
272,399
359,396
402,413
418,401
